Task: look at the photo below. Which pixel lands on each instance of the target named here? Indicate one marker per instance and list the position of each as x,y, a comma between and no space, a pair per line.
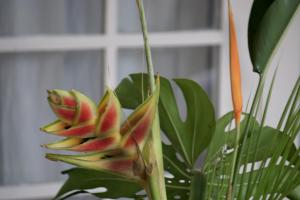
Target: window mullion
110,56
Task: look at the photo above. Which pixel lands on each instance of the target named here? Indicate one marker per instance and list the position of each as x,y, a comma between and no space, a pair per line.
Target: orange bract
235,73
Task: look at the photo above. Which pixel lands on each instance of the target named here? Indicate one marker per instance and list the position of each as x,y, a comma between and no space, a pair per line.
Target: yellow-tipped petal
55,126
64,144
83,130
122,165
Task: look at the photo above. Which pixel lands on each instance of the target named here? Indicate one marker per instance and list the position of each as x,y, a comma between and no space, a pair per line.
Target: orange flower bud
235,74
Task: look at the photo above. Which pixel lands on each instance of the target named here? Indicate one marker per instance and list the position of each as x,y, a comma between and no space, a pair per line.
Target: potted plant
245,159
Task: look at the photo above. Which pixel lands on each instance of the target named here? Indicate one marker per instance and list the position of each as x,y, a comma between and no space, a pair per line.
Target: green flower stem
146,44
156,182
233,164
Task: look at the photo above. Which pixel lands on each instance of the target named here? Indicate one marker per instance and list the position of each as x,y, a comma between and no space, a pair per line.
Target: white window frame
110,42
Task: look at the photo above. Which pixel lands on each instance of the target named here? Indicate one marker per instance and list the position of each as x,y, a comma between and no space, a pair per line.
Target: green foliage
271,157
268,21
81,180
295,194
198,184
189,137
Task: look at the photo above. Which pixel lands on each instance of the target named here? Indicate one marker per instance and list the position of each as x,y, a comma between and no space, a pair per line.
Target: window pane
197,63
31,17
170,15
24,79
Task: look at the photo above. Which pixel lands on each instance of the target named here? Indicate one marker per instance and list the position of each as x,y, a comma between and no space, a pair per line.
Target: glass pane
197,63
170,15
31,17
24,79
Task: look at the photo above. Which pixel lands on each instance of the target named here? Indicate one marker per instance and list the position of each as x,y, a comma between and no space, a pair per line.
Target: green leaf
264,147
80,180
178,177
220,190
268,22
219,157
295,194
224,138
189,136
198,186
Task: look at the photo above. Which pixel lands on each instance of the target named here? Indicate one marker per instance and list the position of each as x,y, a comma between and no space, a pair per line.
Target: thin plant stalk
230,191
257,138
156,182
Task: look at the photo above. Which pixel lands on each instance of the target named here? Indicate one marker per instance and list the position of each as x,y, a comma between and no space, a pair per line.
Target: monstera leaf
268,21
189,137
109,185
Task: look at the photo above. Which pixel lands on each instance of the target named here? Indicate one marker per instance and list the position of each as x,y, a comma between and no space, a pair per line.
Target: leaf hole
165,139
140,193
224,177
97,190
177,197
180,101
181,181
228,151
249,166
179,157
169,175
230,126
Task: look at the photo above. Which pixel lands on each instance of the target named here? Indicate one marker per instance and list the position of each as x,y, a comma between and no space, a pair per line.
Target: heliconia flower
107,144
109,114
235,74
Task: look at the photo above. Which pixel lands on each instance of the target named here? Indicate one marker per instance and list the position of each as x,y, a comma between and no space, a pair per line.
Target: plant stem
156,181
230,191
146,44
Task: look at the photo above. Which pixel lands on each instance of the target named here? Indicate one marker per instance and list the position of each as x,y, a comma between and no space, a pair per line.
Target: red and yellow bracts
97,132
